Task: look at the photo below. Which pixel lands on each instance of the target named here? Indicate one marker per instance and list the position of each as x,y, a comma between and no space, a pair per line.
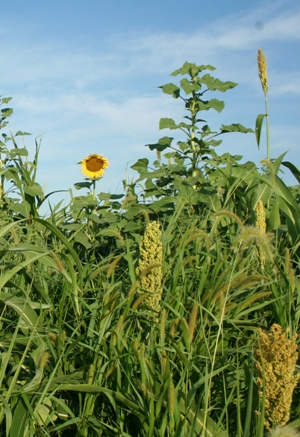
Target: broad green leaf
163,143
105,196
216,104
18,152
189,68
44,413
131,227
6,112
216,84
141,165
171,89
235,127
167,123
19,418
165,203
83,239
189,87
34,190
21,208
80,185
20,133
5,99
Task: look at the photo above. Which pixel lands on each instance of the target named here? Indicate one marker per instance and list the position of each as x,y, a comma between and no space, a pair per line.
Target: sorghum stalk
262,72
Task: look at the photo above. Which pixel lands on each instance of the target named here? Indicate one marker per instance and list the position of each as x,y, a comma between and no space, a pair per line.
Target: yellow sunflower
93,166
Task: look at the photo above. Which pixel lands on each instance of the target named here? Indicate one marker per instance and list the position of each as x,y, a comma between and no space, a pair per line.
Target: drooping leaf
295,171
80,185
22,308
258,126
108,196
66,242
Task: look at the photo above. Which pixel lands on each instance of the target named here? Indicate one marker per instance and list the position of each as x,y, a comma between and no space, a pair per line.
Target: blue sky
85,75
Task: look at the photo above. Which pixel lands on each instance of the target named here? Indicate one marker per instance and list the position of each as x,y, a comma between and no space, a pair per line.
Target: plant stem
267,127
94,189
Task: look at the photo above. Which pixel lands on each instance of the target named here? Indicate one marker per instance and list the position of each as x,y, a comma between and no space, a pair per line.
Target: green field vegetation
169,310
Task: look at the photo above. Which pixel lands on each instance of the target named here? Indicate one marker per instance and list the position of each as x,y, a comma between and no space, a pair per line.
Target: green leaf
192,69
185,69
189,87
82,239
80,185
6,112
235,127
118,396
165,203
216,84
5,100
171,89
22,308
64,240
293,169
163,143
108,196
167,123
19,418
18,152
216,104
20,133
34,190
20,208
274,218
140,165
258,126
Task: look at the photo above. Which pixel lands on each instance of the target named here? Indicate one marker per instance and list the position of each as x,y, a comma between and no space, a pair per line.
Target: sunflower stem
94,189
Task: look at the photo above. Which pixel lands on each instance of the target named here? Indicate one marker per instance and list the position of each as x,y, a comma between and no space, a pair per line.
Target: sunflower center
94,164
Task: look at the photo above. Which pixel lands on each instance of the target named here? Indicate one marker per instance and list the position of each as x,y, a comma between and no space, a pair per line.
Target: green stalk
94,189
267,127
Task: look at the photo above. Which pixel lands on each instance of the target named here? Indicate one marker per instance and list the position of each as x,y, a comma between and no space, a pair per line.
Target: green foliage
82,353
